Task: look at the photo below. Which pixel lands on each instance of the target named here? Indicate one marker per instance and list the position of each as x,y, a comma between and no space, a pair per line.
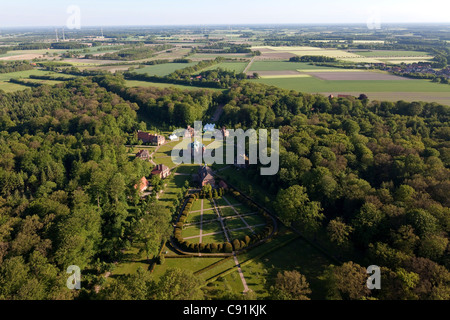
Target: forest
369,177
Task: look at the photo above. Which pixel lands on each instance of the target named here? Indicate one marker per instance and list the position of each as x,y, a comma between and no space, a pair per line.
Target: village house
142,185
143,154
205,176
161,170
189,132
153,139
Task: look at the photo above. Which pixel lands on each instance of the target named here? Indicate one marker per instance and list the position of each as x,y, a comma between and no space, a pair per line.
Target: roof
143,154
160,168
142,185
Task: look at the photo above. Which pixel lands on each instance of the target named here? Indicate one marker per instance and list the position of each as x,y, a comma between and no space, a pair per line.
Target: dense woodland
369,178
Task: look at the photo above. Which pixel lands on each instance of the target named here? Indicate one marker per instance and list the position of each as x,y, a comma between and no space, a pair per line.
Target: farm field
237,67
134,83
163,69
421,90
391,53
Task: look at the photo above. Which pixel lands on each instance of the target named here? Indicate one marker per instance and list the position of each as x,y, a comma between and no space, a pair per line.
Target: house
153,139
161,170
189,132
205,176
143,154
142,185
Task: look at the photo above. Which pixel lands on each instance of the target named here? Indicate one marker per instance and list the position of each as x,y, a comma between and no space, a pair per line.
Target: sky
30,13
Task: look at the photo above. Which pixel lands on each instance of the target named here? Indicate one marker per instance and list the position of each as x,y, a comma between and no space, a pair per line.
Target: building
161,170
205,176
143,154
189,132
142,185
153,139
173,137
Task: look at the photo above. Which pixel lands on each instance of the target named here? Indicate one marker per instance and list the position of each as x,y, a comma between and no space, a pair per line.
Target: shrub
227,247
247,240
214,248
236,244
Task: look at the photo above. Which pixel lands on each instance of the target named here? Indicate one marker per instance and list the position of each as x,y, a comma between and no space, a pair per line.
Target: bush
214,248
227,247
236,244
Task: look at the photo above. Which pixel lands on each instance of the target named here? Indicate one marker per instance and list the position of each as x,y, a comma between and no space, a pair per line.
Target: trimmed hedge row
225,247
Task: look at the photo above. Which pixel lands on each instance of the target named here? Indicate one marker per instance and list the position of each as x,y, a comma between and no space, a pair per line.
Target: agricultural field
135,83
237,67
163,69
392,90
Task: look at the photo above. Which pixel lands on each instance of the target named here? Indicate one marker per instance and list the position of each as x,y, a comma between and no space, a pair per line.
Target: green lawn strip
193,217
235,223
11,87
197,205
194,264
186,169
211,227
167,161
227,212
215,238
220,202
191,231
243,209
254,219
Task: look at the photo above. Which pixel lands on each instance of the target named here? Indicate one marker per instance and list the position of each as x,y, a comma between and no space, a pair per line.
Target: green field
145,84
285,66
163,69
314,85
237,67
391,53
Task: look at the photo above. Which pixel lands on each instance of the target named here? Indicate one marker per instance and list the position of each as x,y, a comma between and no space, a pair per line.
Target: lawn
236,223
227,212
11,87
211,227
192,264
237,67
24,74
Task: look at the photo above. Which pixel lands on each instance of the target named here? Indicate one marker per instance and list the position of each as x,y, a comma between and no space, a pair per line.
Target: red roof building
161,170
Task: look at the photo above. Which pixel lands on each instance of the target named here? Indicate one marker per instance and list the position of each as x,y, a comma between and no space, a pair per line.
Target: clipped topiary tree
236,244
227,247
